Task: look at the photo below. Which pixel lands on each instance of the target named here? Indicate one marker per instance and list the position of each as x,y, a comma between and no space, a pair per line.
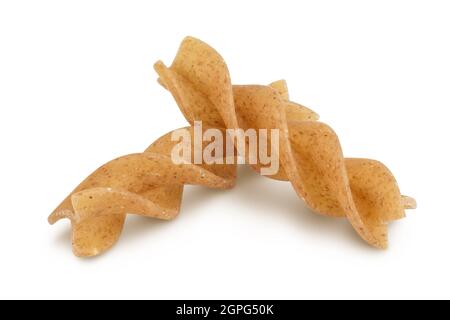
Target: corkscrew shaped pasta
150,184
147,184
362,190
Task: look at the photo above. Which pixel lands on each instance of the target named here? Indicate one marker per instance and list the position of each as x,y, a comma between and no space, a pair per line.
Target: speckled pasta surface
151,184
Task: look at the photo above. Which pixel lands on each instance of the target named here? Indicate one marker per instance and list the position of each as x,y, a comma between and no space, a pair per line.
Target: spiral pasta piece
147,184
363,190
151,184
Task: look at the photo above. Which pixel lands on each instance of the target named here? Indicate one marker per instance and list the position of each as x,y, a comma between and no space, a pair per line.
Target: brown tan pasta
150,184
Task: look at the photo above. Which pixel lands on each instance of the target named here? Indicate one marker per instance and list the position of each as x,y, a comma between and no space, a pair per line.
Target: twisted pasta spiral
151,184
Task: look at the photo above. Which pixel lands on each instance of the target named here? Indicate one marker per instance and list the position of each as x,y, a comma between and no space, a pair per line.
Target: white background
77,89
